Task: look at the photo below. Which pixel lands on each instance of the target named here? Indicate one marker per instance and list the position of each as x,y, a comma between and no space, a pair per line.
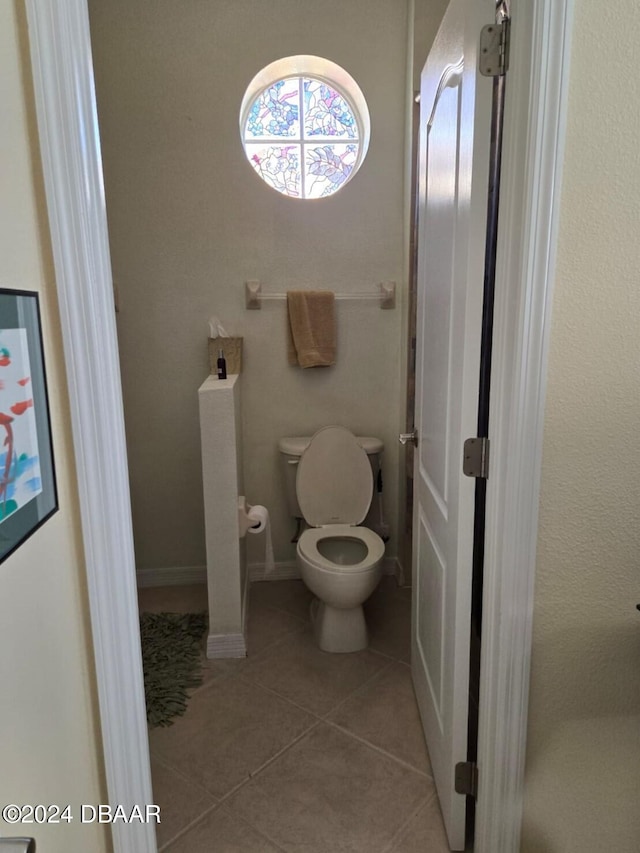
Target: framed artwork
28,495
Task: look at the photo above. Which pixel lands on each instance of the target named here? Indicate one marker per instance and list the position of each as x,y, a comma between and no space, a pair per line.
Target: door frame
535,110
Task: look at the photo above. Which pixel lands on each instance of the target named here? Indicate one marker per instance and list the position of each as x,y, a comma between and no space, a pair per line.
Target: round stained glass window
305,126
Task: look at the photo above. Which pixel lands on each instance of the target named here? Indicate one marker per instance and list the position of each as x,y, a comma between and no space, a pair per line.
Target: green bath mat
171,662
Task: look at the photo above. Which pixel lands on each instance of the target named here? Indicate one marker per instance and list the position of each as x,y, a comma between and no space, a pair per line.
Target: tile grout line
260,832
321,717
168,766
223,801
189,826
252,775
317,717
277,642
380,750
325,719
410,818
299,629
408,822
177,772
283,610
279,610
166,847
364,686
280,696
225,676
220,802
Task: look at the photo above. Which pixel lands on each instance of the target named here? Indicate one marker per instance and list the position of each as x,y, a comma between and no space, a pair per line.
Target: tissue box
232,349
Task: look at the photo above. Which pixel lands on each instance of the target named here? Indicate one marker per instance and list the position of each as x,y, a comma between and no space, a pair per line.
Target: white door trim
70,147
532,157
534,122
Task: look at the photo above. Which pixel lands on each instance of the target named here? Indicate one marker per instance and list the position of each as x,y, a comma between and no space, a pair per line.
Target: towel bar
385,294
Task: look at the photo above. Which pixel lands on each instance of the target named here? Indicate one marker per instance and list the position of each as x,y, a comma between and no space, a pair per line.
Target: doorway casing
532,160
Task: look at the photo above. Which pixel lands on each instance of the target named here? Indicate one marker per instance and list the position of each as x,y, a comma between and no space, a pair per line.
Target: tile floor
293,749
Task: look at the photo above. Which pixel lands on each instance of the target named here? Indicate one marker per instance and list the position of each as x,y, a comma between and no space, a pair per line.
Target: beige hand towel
311,341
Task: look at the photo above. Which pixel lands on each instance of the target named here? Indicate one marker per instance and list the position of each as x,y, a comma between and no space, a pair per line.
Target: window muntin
304,135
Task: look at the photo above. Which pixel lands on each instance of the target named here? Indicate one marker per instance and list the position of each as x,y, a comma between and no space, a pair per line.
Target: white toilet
340,561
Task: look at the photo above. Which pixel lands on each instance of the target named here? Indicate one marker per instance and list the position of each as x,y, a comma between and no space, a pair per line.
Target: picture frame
28,490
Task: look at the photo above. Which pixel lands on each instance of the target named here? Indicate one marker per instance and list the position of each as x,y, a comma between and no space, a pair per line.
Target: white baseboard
285,570
391,566
282,571
226,646
288,570
171,576
403,578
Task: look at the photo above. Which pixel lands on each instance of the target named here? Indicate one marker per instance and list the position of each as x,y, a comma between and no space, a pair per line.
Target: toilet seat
311,538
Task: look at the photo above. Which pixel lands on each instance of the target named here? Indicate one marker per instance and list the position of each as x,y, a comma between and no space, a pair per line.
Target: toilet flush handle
409,438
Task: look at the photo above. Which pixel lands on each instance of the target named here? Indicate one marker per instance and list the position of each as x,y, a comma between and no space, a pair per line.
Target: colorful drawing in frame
27,479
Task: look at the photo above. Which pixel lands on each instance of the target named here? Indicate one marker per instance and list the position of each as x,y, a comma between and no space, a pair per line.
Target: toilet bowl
340,562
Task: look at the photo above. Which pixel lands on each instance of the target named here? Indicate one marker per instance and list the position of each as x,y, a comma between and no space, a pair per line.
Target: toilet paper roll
258,515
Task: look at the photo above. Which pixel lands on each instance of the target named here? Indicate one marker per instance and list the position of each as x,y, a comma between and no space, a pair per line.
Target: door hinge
466,779
475,459
493,59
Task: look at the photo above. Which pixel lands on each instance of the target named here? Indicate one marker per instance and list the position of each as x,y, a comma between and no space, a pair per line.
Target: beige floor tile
388,615
266,625
292,596
424,834
190,598
222,832
385,713
331,793
298,670
213,669
387,588
180,801
230,729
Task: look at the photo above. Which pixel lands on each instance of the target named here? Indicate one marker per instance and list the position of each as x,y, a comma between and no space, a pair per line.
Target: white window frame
314,68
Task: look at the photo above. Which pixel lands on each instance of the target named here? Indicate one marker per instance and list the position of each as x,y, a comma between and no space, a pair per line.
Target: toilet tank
292,448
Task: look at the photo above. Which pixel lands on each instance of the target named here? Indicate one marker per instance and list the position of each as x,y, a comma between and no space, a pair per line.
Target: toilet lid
334,482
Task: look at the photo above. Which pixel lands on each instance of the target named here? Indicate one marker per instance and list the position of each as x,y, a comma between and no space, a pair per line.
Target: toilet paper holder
246,522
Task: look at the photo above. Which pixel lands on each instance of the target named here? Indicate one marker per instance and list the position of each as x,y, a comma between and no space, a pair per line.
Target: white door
455,122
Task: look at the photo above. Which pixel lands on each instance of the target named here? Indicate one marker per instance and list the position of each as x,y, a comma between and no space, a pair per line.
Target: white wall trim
226,646
283,570
70,146
289,570
171,576
533,149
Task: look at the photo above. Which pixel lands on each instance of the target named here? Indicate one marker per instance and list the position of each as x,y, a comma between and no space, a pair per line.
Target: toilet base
338,630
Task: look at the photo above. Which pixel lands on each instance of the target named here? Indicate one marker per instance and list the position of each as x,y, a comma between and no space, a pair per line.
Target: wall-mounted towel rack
385,294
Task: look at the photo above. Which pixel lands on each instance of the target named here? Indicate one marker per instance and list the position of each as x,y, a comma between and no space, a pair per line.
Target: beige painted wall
583,760
190,222
50,749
